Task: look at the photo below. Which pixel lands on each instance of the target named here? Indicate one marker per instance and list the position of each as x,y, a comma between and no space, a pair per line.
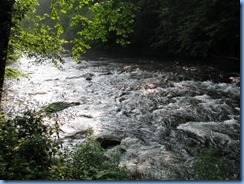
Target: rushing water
153,112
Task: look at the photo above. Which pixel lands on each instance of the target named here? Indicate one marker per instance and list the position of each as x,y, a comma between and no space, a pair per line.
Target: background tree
199,28
188,28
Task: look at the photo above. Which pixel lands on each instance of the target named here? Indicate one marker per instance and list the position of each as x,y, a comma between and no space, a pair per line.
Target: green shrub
89,162
208,165
27,152
26,148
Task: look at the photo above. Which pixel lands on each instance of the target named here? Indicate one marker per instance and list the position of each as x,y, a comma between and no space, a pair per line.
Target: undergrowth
208,165
27,152
26,149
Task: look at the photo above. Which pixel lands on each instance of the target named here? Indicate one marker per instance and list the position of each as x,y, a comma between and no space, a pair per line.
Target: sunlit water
157,113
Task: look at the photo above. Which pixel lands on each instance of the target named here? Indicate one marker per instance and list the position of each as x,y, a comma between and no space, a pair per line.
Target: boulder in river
58,106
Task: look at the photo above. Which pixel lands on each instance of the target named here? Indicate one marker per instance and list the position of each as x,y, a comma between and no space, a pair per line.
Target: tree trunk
5,26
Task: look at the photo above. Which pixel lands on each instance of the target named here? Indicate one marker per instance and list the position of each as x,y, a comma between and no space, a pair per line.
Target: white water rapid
156,115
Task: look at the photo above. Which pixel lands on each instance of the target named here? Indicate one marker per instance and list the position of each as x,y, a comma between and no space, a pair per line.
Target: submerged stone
58,106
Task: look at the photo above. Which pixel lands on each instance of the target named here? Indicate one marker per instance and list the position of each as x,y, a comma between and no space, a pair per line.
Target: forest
158,28
161,80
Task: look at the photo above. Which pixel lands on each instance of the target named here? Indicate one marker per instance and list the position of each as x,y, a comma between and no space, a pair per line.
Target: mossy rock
58,106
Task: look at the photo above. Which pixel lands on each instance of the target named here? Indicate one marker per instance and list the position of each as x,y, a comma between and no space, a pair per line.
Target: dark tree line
199,28
189,28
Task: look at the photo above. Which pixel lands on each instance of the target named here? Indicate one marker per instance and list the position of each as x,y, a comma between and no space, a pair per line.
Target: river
154,112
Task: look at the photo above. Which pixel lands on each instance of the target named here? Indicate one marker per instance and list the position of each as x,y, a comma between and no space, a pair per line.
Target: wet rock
85,116
216,129
106,73
58,106
108,142
74,77
220,134
38,93
127,68
88,76
76,135
150,85
235,80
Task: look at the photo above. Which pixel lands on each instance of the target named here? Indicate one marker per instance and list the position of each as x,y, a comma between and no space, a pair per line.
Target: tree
199,28
146,21
15,39
42,36
5,25
96,20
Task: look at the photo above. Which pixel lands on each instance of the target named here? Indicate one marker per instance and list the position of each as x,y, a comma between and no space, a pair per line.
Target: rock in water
58,106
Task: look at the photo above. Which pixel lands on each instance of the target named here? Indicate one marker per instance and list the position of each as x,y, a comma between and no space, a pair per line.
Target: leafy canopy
42,34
